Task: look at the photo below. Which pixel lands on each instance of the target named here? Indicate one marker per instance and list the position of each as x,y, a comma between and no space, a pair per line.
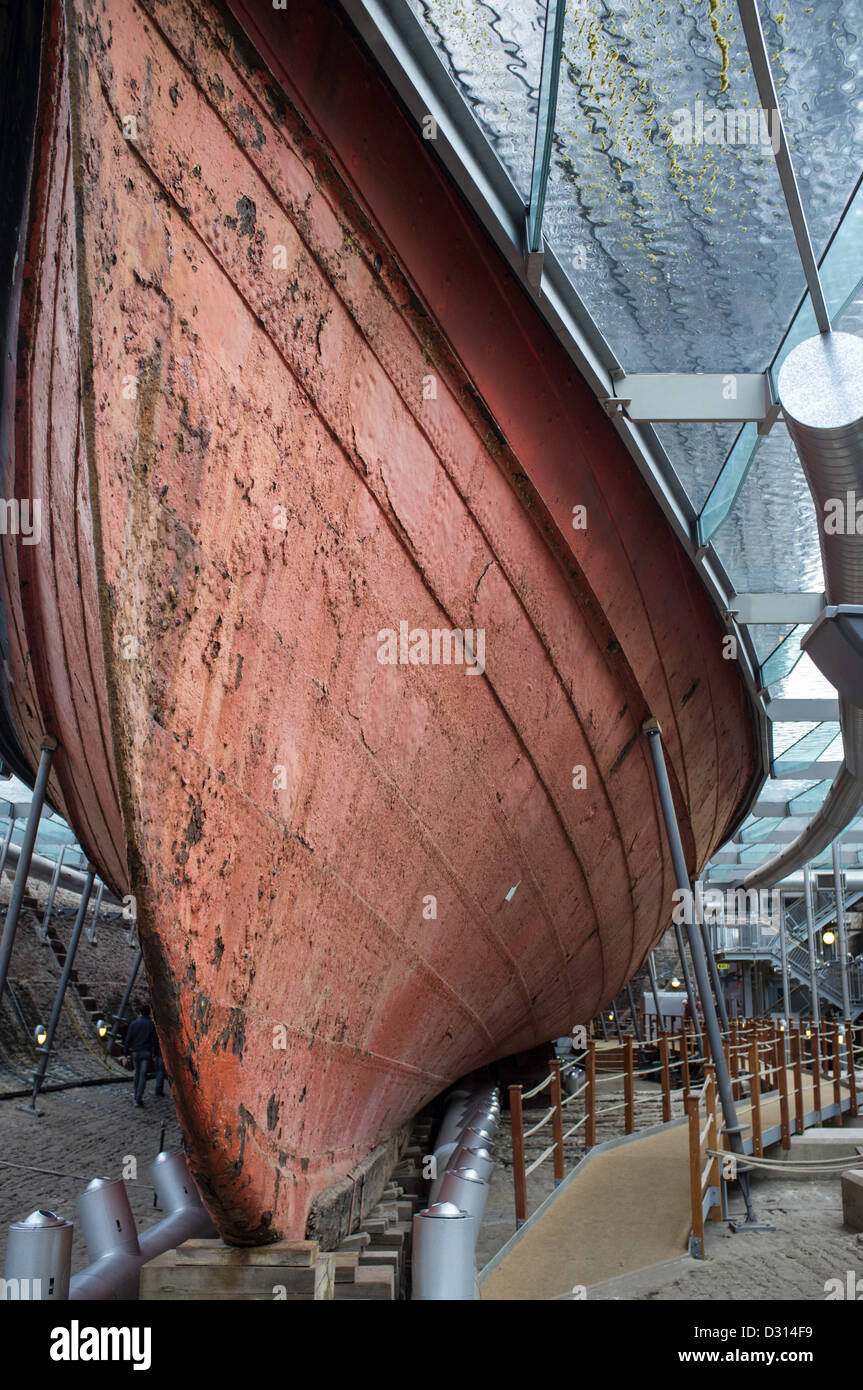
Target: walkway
624,1207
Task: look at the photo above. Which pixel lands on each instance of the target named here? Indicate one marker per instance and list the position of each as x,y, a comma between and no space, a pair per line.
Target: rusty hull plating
239,281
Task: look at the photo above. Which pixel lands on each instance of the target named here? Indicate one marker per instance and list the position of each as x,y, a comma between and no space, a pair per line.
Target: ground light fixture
101,1028
674,982
40,1033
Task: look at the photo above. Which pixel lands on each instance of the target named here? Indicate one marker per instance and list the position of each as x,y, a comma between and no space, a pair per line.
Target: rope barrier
802,1165
528,1095
537,1161
544,1121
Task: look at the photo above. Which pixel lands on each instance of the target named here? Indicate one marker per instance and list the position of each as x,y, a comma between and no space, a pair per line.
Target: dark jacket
141,1037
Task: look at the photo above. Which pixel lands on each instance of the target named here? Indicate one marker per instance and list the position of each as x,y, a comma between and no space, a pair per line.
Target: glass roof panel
769,543
697,452
665,208
663,197
494,56
811,746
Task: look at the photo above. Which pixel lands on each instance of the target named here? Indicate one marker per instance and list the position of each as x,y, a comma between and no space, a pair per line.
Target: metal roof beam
696,396
546,113
758,56
776,608
815,711
815,772
784,834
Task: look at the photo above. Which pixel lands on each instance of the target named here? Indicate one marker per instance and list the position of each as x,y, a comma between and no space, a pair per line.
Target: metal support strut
729,1110
654,985
39,1074
810,936
687,979
124,1004
841,932
48,746
711,959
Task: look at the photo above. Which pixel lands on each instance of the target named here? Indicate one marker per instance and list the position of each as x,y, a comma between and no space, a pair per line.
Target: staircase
85,995
797,940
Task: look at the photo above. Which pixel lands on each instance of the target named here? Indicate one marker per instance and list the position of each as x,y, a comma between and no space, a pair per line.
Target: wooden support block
376,1225
405,1209
394,1238
379,1255
358,1241
370,1284
385,1211
164,1279
345,1265
216,1252
414,1185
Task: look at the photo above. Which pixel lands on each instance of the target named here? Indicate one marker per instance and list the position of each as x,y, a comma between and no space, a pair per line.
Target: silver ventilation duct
820,388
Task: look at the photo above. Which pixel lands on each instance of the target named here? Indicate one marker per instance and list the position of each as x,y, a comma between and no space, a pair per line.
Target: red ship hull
278,396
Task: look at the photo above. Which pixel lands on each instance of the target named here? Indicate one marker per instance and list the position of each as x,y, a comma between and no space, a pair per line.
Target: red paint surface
300,907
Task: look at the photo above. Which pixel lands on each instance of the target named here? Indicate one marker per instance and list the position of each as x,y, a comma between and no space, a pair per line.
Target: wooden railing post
837,1073
684,1056
590,1096
755,1096
557,1121
666,1077
799,1111
628,1088
692,1112
519,1176
816,1069
784,1114
713,1141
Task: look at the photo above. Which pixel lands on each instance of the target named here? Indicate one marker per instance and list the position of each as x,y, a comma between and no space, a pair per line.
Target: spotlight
674,982
809,1032
611,1018
40,1033
828,937
101,1028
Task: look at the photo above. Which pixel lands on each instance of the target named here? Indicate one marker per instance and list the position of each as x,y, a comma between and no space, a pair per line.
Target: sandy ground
85,1132
809,1246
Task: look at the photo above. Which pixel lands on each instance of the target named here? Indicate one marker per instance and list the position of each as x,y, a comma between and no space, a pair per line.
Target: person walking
141,1044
